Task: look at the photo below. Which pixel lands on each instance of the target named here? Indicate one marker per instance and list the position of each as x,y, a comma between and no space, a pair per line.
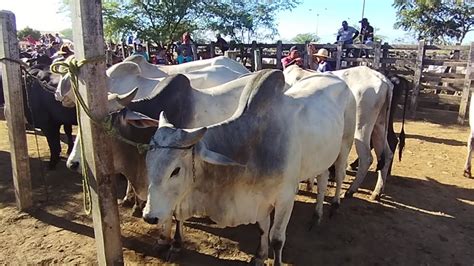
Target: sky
323,17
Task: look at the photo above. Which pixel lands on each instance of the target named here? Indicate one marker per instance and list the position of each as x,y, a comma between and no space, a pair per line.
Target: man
367,31
293,58
346,34
188,45
321,58
221,43
142,52
58,39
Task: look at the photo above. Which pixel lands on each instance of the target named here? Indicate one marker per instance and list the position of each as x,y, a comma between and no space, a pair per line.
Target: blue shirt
324,66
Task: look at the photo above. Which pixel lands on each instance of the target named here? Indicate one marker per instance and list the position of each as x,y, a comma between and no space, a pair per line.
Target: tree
166,20
67,33
437,21
29,31
304,37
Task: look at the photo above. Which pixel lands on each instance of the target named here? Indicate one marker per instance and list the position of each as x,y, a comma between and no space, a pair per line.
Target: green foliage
166,20
437,21
303,37
28,31
66,33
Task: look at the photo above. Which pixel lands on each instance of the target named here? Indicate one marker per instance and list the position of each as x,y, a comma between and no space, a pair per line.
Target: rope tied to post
72,67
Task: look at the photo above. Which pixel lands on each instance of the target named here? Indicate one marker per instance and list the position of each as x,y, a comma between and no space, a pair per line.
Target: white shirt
346,35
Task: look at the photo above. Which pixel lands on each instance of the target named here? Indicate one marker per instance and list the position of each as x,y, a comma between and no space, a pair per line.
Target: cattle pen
442,218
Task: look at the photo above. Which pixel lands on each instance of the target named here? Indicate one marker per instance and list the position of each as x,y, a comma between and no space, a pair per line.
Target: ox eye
175,172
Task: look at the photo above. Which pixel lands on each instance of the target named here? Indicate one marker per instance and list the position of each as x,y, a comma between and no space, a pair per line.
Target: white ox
161,71
123,77
470,146
373,93
240,170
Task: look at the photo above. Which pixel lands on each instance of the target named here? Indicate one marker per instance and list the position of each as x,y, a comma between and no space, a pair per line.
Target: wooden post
89,44
377,55
417,77
108,57
252,51
242,54
310,50
384,55
14,112
124,50
279,54
231,54
258,59
467,86
338,55
306,56
212,48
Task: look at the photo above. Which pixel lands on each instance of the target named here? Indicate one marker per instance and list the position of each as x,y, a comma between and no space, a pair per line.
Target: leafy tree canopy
28,31
437,21
166,20
303,37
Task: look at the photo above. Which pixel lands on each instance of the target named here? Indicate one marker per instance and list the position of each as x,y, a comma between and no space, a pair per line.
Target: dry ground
425,218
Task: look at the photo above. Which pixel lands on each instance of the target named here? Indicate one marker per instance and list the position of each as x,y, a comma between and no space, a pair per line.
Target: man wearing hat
292,59
367,31
321,58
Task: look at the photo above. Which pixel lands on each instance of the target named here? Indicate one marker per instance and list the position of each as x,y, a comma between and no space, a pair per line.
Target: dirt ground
425,218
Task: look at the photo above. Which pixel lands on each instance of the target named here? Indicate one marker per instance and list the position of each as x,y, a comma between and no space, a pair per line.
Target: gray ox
186,106
373,94
240,170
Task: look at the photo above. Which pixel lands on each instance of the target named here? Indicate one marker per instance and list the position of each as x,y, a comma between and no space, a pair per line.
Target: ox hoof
349,194
126,202
173,251
137,212
257,262
333,209
375,197
467,173
315,220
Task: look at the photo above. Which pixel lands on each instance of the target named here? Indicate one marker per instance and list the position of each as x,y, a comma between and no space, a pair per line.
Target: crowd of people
345,35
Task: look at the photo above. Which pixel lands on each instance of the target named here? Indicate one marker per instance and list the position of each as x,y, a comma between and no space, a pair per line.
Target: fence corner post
463,109
338,55
279,54
417,77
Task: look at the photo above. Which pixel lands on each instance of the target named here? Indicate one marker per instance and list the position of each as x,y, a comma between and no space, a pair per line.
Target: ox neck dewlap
155,146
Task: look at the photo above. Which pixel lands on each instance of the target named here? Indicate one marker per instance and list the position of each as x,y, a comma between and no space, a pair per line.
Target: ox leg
384,156
467,167
262,251
129,199
283,210
175,247
322,187
53,137
365,160
137,210
70,140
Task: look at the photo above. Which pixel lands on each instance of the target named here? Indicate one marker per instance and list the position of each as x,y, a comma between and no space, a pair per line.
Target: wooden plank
467,86
339,56
441,62
403,47
258,60
89,44
359,60
359,46
444,75
279,54
14,112
417,77
440,99
439,87
397,60
212,49
252,55
447,47
437,79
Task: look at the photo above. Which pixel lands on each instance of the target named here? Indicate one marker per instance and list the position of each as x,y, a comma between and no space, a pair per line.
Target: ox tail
401,136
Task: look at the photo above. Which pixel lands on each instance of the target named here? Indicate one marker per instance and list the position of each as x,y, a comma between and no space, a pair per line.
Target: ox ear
126,98
139,120
214,157
188,137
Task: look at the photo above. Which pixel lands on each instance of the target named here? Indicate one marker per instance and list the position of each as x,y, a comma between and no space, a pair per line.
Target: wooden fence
441,75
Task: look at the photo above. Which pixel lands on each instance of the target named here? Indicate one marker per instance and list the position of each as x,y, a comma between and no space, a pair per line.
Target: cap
364,20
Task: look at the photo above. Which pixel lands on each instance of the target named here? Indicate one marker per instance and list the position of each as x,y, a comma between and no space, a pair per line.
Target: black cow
44,112
401,86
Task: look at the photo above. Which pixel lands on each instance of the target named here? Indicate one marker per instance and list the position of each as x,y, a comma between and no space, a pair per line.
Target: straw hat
322,53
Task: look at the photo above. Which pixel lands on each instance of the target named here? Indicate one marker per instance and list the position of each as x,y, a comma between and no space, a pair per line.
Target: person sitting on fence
184,57
366,32
141,52
321,58
292,59
186,44
221,43
347,34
